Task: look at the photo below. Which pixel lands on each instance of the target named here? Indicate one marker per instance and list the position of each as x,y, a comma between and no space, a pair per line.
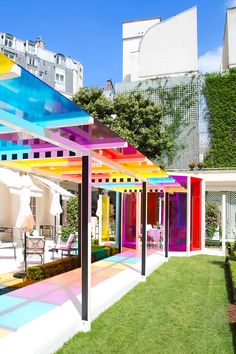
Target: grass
182,308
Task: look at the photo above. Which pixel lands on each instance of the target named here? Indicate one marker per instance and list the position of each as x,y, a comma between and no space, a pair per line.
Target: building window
9,40
60,78
31,48
33,207
60,58
32,61
41,74
9,54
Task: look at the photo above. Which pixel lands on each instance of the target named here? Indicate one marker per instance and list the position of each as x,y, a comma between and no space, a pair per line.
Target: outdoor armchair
35,245
64,247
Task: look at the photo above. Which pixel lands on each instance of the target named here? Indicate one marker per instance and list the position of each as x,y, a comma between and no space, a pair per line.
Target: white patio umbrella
25,219
57,191
55,208
15,182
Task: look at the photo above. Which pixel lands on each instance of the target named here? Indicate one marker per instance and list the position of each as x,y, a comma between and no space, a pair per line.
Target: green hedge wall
220,94
47,270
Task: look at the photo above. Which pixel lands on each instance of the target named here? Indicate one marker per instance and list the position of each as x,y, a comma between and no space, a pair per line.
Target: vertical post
25,256
61,215
86,240
118,219
55,229
223,222
159,209
203,230
166,225
79,224
189,221
144,227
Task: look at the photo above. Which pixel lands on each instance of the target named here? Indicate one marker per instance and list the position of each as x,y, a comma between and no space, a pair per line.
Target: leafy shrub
232,269
212,218
48,270
220,94
231,247
66,231
213,243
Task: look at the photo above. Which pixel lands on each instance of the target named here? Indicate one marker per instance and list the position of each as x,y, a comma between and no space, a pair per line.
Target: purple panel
181,180
129,221
177,222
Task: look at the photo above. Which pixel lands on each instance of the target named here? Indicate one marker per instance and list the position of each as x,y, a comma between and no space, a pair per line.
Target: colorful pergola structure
43,133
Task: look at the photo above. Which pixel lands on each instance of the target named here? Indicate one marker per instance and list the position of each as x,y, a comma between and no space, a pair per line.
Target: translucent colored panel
30,98
181,180
152,209
129,221
177,222
196,214
91,134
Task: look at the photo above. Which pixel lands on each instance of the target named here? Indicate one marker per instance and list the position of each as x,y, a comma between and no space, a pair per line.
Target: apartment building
62,73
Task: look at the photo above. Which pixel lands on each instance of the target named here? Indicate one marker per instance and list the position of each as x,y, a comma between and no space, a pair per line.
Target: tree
212,218
135,118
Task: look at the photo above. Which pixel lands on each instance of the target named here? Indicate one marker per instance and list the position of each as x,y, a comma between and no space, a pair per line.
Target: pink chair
154,237
65,247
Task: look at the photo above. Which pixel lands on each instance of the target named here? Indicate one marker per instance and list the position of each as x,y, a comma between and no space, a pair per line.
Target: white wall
153,48
170,47
232,37
133,32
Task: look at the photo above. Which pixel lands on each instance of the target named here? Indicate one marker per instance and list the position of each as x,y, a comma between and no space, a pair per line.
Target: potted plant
200,165
192,165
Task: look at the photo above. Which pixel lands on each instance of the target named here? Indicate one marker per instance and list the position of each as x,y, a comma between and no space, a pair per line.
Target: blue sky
91,31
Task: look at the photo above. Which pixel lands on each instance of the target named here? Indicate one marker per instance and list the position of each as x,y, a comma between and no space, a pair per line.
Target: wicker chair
35,245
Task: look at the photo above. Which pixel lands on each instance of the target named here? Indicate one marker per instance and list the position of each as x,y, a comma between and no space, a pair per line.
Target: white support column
223,222
188,229
203,230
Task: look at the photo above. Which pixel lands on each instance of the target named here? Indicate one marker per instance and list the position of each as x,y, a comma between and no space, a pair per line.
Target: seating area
64,248
6,240
35,246
155,238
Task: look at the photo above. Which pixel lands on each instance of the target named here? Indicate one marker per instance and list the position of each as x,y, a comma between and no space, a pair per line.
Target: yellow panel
6,64
105,217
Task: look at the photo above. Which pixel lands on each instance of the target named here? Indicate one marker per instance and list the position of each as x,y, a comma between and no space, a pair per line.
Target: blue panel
7,302
8,146
24,314
29,98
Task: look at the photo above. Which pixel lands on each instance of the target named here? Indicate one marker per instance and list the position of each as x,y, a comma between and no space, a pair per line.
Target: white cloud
210,61
230,3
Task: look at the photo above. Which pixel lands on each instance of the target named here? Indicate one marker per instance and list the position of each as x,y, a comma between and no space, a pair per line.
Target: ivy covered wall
220,94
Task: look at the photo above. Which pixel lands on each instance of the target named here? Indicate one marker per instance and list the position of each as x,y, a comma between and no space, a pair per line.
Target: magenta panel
177,222
152,209
129,221
196,214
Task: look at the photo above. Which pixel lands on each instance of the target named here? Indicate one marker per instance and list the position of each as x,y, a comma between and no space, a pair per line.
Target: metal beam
79,223
86,238
144,229
118,219
29,128
166,225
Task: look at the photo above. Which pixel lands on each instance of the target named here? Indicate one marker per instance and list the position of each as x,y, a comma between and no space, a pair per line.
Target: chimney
110,86
40,42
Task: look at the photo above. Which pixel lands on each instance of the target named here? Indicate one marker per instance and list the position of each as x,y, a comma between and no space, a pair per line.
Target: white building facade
62,73
229,45
154,48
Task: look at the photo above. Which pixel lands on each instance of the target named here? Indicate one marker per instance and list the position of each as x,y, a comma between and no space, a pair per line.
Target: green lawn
182,308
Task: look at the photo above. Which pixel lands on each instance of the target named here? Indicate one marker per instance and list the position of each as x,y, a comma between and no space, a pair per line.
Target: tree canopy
135,118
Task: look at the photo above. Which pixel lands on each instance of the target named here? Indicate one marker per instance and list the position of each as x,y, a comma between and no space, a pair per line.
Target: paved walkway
39,318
